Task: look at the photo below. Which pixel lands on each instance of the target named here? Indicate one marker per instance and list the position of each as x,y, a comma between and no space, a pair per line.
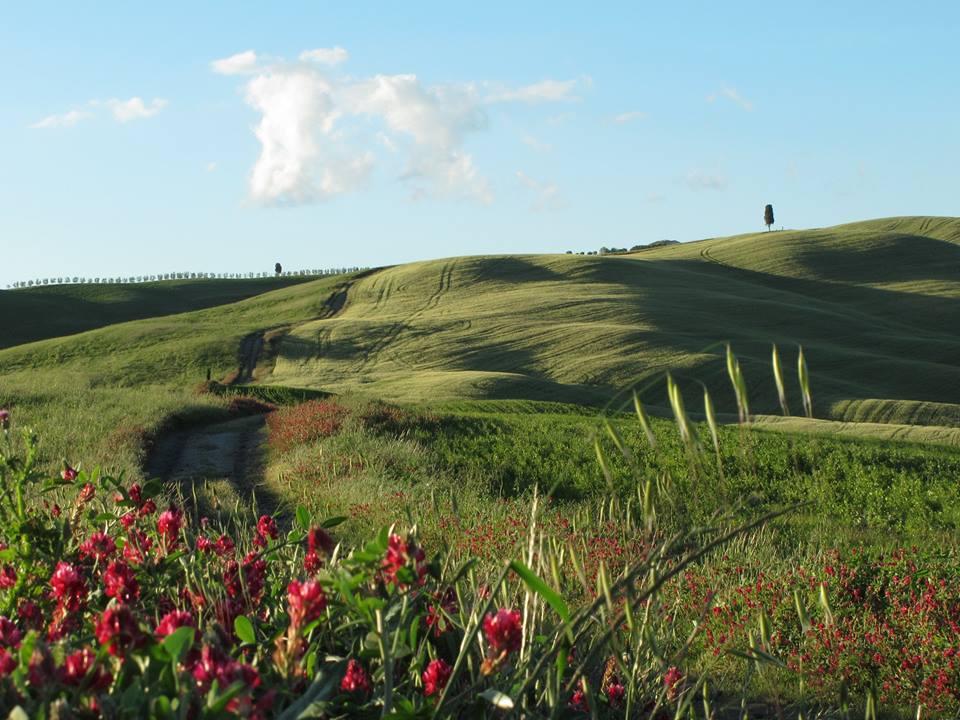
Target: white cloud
627,117
321,133
211,166
536,144
325,56
134,108
732,94
700,180
544,91
546,194
239,64
68,119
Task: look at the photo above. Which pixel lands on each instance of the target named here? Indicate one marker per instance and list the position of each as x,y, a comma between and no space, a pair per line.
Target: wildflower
168,525
86,494
148,508
99,546
215,664
4,419
616,693
267,528
128,519
118,630
120,582
503,630
10,635
318,539
224,546
400,553
31,617
578,701
436,677
68,473
435,614
77,666
136,547
136,494
8,577
7,662
305,602
671,680
68,586
204,544
356,679
174,620
55,510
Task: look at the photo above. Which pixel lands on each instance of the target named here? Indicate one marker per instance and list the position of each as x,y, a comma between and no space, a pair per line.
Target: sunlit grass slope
875,305
45,312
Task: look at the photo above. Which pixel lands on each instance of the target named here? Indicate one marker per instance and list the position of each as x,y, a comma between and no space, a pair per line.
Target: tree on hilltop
768,216
278,268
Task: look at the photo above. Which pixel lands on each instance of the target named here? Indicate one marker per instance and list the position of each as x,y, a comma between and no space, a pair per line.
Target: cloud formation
239,64
319,130
732,94
134,108
700,180
122,111
545,91
546,194
627,117
67,119
325,56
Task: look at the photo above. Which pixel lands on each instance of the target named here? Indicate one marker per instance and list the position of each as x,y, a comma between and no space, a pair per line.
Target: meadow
428,490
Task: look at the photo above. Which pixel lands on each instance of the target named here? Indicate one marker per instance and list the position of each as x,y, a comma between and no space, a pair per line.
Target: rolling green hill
46,312
876,306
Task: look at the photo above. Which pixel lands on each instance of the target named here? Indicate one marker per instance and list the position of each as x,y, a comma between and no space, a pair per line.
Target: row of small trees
78,280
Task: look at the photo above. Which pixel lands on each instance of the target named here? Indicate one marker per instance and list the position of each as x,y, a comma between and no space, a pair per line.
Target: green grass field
496,369
46,312
875,305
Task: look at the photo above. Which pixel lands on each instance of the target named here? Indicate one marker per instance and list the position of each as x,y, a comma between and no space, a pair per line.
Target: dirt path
218,464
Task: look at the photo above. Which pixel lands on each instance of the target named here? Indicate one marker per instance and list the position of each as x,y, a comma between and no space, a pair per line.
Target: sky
223,137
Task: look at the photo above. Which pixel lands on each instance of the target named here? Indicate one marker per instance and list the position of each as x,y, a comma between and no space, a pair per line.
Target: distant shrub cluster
622,251
78,280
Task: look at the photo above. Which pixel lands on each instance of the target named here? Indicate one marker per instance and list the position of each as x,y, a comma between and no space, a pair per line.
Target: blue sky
333,134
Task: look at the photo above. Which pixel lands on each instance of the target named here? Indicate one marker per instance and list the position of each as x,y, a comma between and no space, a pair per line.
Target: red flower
204,544
305,602
76,669
319,539
7,663
436,677
267,528
68,473
356,679
578,701
86,494
504,630
68,586
118,630
120,582
168,525
99,546
31,617
224,546
214,664
136,494
148,508
9,633
399,555
671,679
616,693
4,419
128,519
174,620
8,577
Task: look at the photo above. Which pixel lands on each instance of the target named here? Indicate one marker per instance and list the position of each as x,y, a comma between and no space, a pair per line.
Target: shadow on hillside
895,258
507,269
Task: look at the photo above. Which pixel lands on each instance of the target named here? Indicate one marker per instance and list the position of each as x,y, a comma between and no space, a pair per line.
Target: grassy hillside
45,312
875,305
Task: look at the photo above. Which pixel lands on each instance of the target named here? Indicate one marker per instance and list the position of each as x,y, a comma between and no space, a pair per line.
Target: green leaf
334,521
179,642
497,699
549,595
303,517
244,630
